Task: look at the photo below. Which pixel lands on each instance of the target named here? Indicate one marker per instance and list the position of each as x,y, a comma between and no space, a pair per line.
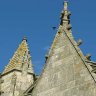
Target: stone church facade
67,71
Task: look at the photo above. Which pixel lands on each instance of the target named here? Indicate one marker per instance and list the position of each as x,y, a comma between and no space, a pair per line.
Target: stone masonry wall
10,87
65,73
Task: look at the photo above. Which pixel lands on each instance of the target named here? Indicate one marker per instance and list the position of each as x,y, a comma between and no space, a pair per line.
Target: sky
35,19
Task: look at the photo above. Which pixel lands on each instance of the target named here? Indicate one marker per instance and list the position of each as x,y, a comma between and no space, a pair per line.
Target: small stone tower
18,74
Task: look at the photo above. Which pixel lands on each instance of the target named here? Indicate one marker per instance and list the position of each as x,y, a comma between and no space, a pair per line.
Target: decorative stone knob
88,56
79,42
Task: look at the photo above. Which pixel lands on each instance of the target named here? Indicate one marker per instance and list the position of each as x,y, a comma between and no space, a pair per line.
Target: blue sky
35,19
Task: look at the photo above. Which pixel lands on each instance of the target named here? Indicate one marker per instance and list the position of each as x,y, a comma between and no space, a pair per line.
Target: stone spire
18,59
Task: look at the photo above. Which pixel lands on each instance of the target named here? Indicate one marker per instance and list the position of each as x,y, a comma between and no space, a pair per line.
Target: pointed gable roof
66,72
18,58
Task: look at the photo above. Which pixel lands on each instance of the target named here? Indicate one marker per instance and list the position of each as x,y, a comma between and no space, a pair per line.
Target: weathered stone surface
19,74
66,73
10,87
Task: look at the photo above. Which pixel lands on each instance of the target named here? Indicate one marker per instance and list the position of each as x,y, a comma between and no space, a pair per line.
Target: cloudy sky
35,19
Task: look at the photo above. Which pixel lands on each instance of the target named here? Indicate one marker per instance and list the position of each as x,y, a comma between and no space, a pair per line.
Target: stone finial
65,5
25,38
79,42
88,56
65,15
46,57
